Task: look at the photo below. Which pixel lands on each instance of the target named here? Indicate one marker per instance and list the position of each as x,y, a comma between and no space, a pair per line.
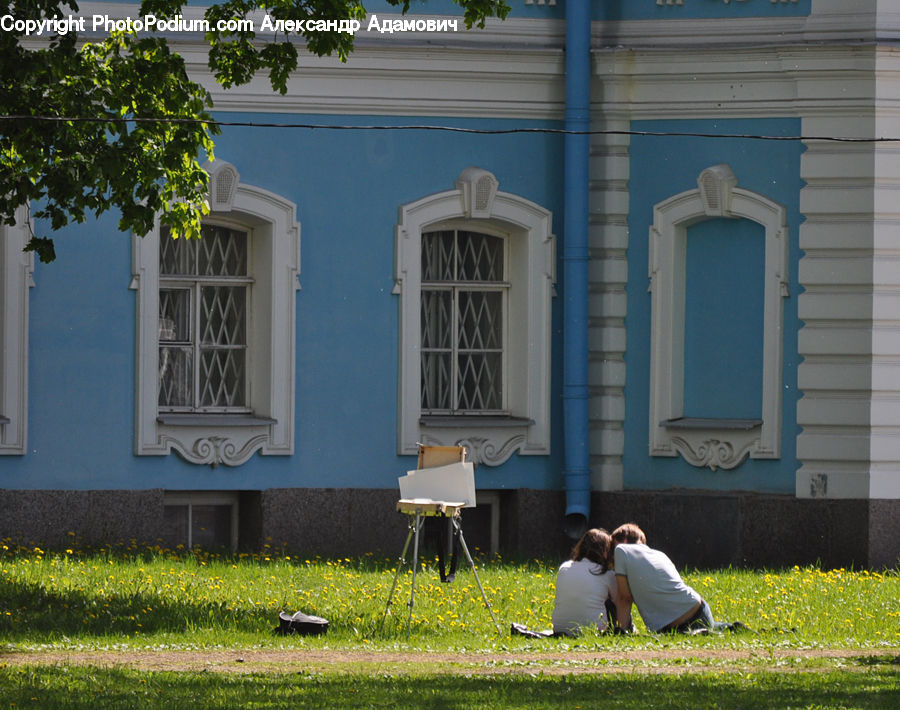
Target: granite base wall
338,522
697,529
56,519
706,530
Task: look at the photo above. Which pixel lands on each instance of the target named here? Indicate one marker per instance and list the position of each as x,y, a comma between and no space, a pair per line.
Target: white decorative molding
532,273
16,272
712,453
477,189
223,182
712,443
209,439
216,450
716,185
489,451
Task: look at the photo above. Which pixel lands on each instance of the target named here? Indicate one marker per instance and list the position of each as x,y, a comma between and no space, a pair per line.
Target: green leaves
43,247
117,123
91,134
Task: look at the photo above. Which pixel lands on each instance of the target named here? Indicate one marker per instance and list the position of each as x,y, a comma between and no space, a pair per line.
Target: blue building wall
663,166
348,186
723,330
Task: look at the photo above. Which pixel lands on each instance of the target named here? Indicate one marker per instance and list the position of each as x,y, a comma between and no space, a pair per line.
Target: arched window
474,271
722,438
216,324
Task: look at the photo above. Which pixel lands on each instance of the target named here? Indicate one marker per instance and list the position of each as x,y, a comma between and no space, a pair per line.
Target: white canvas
454,483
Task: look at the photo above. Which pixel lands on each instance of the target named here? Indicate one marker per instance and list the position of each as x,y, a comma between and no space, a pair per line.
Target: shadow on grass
37,611
878,660
98,688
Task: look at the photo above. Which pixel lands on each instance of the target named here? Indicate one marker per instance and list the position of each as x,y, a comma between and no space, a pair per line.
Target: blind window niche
724,319
718,267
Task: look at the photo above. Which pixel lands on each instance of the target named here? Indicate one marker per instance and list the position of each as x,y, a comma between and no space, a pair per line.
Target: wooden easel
417,510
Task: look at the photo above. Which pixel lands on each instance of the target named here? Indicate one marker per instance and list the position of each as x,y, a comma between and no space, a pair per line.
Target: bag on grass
522,630
441,530
301,624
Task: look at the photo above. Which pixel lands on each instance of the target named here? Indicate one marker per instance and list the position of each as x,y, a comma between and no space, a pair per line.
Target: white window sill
218,420
474,420
711,423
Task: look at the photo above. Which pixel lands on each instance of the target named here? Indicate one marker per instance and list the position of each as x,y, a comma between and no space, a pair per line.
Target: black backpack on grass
301,624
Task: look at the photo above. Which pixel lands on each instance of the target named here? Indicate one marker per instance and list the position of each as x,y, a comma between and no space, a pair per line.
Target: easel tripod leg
412,589
400,563
465,549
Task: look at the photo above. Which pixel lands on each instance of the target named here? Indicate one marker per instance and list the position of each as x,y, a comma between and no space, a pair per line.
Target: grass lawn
148,627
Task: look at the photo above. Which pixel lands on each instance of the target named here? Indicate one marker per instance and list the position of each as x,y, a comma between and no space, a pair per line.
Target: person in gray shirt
647,578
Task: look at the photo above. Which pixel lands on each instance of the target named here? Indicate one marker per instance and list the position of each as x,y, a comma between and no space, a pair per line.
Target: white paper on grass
454,483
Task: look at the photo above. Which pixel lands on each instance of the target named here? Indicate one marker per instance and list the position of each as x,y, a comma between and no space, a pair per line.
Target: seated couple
609,573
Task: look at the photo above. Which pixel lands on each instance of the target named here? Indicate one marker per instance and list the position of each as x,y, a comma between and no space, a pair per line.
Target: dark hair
629,533
595,545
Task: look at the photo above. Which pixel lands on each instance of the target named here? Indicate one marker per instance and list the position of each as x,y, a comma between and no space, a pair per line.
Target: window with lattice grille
474,271
203,301
216,329
463,299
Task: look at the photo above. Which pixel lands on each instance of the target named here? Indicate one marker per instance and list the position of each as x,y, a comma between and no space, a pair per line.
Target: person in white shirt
585,586
648,579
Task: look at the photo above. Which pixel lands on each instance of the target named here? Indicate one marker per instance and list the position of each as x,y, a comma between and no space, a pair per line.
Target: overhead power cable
450,129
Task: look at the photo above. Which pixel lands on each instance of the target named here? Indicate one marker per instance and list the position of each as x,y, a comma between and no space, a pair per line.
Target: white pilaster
608,244
850,413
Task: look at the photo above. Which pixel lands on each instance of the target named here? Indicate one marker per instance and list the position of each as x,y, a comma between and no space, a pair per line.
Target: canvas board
453,483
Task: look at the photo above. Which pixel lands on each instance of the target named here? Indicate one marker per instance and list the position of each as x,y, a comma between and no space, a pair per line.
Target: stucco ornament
216,450
482,450
712,453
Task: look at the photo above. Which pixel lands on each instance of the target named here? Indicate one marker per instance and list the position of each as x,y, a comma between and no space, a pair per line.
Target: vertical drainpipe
577,474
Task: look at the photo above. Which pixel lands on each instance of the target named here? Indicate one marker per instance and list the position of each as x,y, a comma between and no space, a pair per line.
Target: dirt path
317,661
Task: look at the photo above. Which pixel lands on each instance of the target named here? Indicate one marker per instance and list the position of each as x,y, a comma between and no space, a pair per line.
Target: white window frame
230,439
712,443
477,204
194,285
16,277
502,287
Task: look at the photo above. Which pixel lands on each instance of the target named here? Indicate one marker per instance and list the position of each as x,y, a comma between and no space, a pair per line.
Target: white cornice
843,28
839,21
672,33
509,34
648,69
405,80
